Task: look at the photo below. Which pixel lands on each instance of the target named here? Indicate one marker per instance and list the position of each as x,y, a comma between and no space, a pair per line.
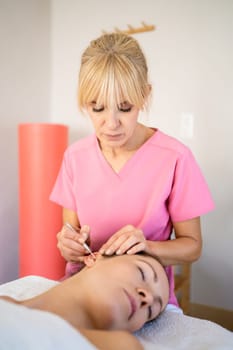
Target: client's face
129,290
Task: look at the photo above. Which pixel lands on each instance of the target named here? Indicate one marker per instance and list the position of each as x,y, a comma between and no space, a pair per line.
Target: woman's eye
125,107
98,109
142,273
125,110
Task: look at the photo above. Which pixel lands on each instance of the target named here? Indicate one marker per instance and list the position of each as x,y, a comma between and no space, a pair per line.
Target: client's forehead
132,258
143,257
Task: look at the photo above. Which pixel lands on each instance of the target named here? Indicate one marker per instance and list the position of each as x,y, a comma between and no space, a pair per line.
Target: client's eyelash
142,273
143,278
149,312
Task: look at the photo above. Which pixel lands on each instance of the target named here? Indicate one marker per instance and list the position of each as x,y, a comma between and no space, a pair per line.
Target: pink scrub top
160,184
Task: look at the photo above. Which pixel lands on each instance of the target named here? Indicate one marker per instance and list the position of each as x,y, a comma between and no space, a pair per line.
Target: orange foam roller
41,149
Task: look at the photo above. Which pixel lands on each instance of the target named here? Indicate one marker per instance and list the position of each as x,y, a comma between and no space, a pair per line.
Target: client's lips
133,304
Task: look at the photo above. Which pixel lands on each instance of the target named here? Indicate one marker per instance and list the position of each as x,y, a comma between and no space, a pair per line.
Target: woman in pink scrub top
127,187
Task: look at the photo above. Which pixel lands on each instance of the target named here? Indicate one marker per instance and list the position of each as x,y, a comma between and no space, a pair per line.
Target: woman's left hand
128,239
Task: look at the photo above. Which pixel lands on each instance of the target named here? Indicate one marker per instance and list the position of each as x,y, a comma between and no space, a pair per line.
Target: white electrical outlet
186,125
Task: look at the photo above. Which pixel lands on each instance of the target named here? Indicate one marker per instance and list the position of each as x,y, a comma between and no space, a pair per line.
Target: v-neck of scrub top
127,167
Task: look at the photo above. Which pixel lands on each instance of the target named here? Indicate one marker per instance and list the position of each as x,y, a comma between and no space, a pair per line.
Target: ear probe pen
84,244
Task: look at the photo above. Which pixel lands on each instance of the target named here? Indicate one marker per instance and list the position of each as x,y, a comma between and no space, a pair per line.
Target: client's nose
146,296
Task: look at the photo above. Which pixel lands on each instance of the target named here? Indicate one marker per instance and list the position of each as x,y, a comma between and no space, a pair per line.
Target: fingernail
84,236
85,228
108,252
118,252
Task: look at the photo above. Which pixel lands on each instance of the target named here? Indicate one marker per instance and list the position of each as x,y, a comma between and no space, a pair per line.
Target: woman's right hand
70,243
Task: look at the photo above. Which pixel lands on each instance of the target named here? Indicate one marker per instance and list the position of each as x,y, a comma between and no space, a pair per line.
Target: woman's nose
112,120
146,296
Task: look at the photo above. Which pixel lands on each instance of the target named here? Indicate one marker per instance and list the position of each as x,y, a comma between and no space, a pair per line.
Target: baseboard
221,316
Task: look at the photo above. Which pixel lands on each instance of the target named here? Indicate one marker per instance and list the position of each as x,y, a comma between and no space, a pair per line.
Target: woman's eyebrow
124,103
152,268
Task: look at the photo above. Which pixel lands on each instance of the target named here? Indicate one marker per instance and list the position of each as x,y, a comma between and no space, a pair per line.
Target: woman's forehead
110,96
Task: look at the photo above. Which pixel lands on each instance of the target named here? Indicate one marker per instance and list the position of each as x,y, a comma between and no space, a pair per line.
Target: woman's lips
133,305
113,137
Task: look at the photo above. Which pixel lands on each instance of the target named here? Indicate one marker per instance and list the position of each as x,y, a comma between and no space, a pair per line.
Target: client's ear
89,260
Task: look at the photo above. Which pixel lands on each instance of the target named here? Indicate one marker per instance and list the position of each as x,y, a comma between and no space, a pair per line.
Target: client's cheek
137,323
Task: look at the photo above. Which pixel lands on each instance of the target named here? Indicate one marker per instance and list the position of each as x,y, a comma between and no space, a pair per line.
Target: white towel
176,331
22,328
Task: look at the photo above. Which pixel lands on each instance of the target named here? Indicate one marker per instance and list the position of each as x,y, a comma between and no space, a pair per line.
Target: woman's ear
149,91
147,97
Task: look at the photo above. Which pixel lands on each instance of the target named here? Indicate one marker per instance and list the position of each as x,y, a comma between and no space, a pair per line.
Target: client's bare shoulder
10,299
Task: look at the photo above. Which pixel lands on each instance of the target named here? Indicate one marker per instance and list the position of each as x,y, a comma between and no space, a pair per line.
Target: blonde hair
113,70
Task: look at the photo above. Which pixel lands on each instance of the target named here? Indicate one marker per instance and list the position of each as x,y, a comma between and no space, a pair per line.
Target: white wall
25,97
189,56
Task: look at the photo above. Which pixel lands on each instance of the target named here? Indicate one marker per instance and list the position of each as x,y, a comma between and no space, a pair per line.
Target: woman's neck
118,157
64,302
141,135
